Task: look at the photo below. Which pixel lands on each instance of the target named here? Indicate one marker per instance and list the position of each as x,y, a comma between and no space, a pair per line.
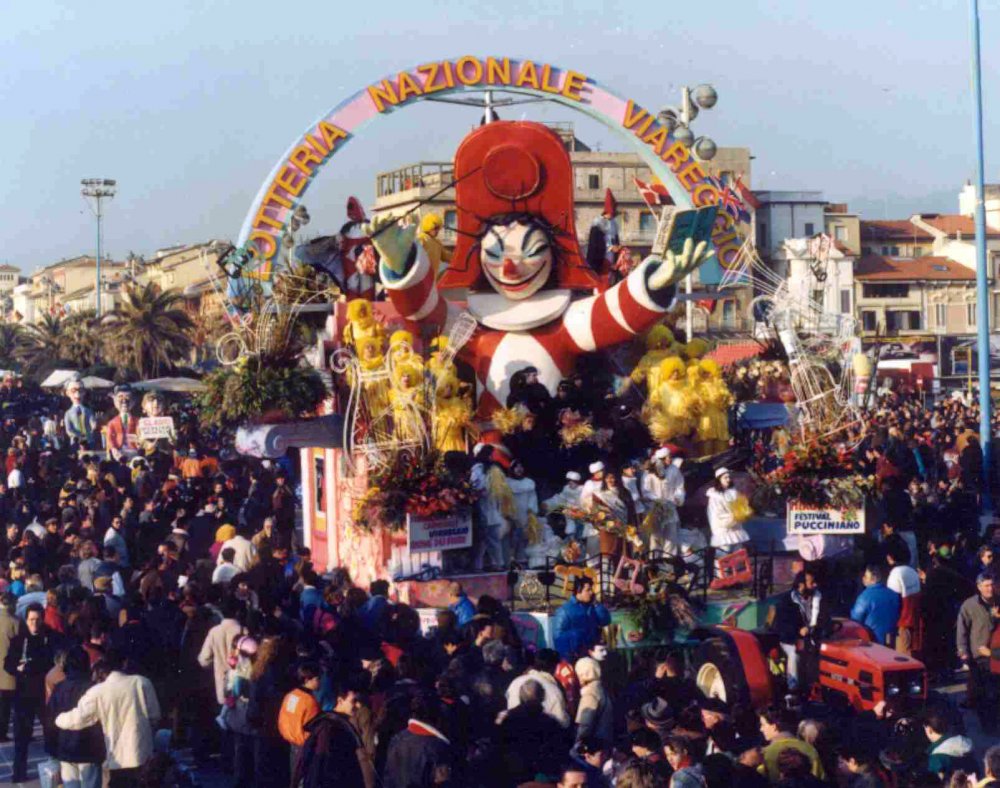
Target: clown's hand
392,241
676,266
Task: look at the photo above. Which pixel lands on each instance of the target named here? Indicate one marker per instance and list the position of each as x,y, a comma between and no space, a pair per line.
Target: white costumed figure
567,497
663,488
726,514
525,511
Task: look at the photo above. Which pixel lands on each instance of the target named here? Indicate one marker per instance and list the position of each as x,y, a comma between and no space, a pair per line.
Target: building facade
787,214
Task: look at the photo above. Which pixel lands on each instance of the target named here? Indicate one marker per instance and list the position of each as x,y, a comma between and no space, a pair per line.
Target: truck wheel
719,672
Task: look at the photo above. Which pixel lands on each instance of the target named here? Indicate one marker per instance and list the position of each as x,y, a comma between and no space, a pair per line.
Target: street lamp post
95,191
982,274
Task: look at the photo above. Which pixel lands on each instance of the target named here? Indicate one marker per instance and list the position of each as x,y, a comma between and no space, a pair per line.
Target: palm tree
148,331
41,343
81,342
10,338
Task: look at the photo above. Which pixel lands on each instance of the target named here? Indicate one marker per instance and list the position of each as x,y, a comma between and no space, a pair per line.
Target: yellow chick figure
717,399
429,237
372,360
452,416
696,348
407,400
669,410
659,344
437,364
401,350
361,323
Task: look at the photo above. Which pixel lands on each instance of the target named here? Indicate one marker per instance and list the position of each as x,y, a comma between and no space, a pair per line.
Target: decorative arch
671,161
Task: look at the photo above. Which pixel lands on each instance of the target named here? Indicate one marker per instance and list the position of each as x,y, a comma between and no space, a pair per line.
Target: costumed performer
613,498
518,258
567,498
438,364
526,528
372,364
430,229
713,428
407,399
341,256
361,323
663,488
452,416
669,409
123,429
659,344
726,513
78,419
492,511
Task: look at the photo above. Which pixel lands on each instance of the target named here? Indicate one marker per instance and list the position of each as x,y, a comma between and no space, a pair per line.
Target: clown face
123,403
75,392
516,258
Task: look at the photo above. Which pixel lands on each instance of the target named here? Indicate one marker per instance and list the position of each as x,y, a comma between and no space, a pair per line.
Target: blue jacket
463,609
576,627
877,607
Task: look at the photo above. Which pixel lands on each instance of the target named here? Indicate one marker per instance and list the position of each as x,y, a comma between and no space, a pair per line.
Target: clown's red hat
514,167
610,203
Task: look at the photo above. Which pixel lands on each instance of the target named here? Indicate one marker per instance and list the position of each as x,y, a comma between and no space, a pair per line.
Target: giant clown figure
518,257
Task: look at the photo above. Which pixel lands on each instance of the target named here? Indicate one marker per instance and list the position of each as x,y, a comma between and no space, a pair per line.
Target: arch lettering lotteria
670,160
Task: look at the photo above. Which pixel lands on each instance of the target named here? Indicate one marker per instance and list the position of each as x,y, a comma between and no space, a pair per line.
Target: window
818,297
810,229
885,250
647,222
845,302
728,314
894,251
840,233
902,320
918,251
885,290
762,235
593,181
869,320
320,482
970,315
450,219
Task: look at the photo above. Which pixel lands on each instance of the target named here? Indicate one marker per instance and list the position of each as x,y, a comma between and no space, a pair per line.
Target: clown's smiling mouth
520,284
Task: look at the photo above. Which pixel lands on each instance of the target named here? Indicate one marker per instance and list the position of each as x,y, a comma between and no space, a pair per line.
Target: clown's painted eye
537,249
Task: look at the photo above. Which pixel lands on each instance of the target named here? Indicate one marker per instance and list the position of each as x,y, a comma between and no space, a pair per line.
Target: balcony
424,175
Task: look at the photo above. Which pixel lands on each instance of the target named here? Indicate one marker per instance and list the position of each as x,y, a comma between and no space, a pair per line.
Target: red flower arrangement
816,475
420,488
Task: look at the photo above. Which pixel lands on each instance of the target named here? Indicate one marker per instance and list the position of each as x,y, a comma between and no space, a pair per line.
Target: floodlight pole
96,191
982,274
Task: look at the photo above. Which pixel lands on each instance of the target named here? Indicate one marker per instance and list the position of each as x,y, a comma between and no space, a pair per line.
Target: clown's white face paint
517,259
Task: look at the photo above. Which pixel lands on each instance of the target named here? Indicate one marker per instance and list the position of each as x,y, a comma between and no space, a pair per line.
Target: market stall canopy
94,382
177,385
58,377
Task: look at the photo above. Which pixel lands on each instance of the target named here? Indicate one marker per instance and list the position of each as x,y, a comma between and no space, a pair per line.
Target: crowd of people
163,602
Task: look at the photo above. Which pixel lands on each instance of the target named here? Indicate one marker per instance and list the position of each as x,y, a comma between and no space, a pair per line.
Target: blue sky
189,104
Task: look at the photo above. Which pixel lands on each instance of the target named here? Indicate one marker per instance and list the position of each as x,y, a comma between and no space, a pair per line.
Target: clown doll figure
78,420
361,323
604,241
159,451
518,259
123,429
407,399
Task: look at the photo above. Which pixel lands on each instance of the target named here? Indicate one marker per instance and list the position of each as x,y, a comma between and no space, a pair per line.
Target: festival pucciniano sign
805,521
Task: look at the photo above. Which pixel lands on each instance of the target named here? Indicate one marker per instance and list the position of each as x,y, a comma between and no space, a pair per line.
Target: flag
653,194
748,198
708,304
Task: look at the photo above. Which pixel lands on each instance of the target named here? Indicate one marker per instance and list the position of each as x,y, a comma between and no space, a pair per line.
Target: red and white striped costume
585,325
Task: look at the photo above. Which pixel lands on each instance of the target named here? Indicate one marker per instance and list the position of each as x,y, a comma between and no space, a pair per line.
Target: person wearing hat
123,430
663,489
719,727
604,240
594,715
568,496
728,533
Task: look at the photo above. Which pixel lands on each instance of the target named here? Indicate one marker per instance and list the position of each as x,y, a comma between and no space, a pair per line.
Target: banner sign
804,521
153,428
439,533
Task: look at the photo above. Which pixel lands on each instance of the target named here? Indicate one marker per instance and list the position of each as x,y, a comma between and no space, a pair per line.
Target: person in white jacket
525,507
568,496
555,702
663,484
727,533
244,550
127,710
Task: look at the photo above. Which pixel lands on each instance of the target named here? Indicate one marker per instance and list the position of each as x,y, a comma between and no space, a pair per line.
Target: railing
424,175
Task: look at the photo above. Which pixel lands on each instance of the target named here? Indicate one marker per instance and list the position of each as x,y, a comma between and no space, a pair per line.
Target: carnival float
465,413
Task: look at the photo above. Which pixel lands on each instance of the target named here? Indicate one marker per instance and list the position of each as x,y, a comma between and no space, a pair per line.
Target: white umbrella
180,385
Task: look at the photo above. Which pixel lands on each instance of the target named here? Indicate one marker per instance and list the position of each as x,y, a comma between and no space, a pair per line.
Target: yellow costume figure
696,348
452,416
669,410
407,399
436,364
372,361
430,229
714,424
659,345
361,323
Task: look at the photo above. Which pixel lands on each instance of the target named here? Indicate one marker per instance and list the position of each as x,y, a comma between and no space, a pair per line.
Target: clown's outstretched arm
635,304
406,273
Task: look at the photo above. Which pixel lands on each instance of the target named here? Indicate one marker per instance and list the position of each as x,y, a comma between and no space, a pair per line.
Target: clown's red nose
509,267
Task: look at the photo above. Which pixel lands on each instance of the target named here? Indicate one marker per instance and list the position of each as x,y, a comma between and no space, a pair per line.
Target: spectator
80,753
775,727
420,756
594,717
460,604
877,607
8,631
976,621
334,755
947,751
30,657
577,624
225,571
554,703
904,580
